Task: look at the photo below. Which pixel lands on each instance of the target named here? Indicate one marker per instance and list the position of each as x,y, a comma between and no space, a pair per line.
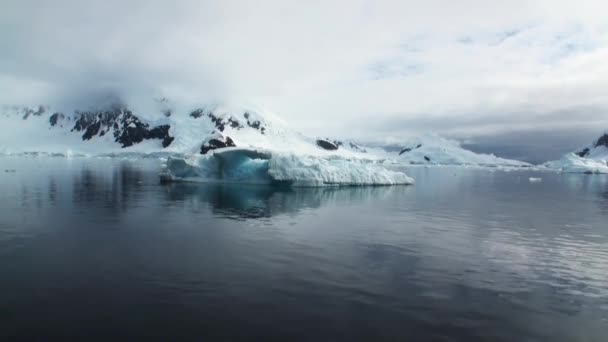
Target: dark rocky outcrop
409,149
161,132
583,153
217,142
356,147
602,141
351,145
35,112
255,124
221,123
56,118
427,158
127,128
197,113
327,145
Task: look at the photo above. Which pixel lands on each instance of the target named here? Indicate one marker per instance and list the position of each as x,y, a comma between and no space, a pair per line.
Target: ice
535,180
431,149
239,165
571,163
592,158
249,129
332,170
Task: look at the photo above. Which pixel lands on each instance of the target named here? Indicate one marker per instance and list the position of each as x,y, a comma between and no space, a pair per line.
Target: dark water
98,249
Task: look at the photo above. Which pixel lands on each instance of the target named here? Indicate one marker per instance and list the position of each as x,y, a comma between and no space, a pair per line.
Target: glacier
241,165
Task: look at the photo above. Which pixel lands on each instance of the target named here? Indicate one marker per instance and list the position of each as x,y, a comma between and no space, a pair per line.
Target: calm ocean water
99,249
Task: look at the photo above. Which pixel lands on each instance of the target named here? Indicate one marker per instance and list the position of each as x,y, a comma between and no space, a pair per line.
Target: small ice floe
535,180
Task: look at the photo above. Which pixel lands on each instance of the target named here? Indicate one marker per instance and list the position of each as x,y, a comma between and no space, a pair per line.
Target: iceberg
572,163
590,159
252,166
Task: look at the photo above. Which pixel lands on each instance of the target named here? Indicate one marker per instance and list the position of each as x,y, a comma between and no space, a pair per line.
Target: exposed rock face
160,132
36,112
583,153
327,145
602,141
24,111
127,128
356,147
409,149
56,118
255,124
222,122
197,113
219,141
349,144
427,158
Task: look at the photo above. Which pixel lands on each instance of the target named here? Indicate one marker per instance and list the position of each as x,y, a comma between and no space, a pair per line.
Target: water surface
99,249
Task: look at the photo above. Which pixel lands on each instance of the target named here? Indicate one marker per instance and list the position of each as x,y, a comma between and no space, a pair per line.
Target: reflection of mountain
115,191
244,202
113,188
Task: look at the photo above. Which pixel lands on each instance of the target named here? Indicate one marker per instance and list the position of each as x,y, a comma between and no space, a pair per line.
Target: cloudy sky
501,74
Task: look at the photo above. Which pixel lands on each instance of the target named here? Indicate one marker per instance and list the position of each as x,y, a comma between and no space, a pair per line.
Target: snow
431,149
571,163
267,150
595,160
35,136
266,167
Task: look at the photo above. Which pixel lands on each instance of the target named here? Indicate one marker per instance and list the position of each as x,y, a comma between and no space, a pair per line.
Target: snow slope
210,144
431,149
199,130
590,159
118,130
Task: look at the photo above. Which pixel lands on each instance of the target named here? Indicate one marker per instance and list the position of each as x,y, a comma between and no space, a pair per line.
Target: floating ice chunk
571,163
332,170
535,180
261,167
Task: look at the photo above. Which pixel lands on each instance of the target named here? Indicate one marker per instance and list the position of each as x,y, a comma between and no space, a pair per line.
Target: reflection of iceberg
250,202
237,165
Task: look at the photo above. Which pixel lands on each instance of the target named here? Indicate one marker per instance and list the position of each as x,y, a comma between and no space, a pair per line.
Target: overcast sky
364,69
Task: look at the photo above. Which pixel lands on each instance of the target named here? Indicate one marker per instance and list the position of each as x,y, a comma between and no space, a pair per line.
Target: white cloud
329,67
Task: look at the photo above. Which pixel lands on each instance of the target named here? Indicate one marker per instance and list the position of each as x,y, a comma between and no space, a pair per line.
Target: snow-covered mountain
590,159
207,143
431,149
224,142
118,129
